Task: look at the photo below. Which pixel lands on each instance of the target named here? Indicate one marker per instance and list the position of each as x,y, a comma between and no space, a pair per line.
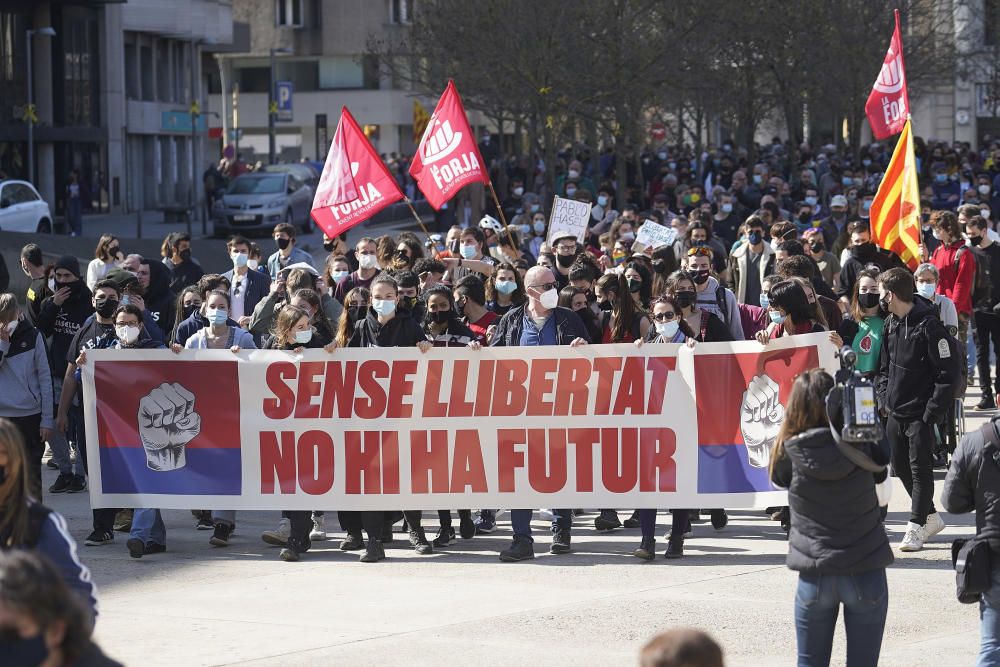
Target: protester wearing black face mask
45,624
356,304
183,271
863,254
97,333
986,309
750,262
59,319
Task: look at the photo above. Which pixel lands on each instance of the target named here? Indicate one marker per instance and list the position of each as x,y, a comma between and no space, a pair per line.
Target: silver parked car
259,201
22,209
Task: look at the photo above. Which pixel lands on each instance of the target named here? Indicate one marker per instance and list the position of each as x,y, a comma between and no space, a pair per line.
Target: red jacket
956,284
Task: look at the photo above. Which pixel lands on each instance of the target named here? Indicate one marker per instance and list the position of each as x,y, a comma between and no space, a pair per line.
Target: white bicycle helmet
491,223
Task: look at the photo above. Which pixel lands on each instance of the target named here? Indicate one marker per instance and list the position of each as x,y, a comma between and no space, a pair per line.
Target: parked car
303,170
259,201
22,209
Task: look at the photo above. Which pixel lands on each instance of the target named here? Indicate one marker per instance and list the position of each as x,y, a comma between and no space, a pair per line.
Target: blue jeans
520,521
865,598
989,624
59,441
147,525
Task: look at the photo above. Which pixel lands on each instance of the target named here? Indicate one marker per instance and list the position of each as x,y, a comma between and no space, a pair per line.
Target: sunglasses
664,317
702,251
544,287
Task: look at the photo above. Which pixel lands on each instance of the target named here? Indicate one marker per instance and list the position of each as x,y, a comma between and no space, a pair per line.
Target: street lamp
272,96
47,31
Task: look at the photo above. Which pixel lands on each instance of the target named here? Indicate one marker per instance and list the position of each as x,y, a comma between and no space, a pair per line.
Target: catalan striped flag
895,212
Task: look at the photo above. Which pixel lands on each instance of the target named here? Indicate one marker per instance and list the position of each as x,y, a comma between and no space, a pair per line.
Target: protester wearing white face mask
539,322
927,279
247,287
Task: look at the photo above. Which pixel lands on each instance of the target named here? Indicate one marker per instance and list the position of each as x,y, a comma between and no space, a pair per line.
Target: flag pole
417,217
503,219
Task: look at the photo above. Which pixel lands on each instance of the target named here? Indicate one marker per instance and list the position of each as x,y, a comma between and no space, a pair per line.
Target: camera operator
971,485
915,383
837,541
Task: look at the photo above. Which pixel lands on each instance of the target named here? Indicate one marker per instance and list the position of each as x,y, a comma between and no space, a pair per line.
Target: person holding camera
915,385
971,484
837,541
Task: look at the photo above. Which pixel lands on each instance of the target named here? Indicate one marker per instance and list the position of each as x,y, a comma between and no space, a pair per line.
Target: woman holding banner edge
381,328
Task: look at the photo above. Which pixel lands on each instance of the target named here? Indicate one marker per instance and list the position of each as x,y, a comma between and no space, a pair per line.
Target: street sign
284,101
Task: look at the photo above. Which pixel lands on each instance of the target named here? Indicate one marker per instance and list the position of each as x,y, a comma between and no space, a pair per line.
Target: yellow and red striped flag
895,212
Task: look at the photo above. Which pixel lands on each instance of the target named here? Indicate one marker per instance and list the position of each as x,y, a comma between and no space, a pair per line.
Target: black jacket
990,257
569,327
184,274
400,331
60,324
836,524
967,489
917,369
38,291
158,297
862,256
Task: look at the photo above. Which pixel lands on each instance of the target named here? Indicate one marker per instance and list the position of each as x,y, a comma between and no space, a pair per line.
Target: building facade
113,94
325,68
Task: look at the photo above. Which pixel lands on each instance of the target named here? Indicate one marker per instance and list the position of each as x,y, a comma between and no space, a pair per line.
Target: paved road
198,605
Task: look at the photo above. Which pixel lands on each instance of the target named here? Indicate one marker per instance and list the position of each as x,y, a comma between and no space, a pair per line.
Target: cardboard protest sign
653,235
569,216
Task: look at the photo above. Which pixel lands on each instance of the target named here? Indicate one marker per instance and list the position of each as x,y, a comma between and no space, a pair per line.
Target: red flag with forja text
355,184
447,158
888,105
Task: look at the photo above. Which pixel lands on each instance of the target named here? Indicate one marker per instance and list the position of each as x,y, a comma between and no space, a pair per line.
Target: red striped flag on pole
895,212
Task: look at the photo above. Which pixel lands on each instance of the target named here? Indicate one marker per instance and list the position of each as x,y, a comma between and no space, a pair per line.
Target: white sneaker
934,525
279,537
546,515
318,533
914,538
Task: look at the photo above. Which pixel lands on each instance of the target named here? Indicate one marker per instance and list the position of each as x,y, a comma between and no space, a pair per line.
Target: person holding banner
219,335
539,322
711,295
147,535
669,327
381,328
790,312
355,307
294,332
837,542
443,328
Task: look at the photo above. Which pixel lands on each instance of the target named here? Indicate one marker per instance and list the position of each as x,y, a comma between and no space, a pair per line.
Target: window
288,13
400,11
991,21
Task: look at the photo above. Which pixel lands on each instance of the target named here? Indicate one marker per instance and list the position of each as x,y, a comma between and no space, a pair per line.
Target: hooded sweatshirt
836,524
60,324
720,301
158,297
25,380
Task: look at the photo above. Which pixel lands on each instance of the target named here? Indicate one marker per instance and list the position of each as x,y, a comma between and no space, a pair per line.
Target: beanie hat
69,263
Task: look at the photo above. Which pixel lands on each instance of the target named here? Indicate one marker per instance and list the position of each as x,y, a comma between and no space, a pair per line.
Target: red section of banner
447,158
126,387
719,411
888,105
355,184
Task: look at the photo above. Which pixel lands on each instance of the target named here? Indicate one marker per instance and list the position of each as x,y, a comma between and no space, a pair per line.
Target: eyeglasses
565,248
699,251
545,287
664,317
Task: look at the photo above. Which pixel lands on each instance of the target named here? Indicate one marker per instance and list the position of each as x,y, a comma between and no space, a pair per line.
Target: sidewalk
198,605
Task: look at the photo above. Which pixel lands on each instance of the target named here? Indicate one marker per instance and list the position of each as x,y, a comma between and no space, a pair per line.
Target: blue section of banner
726,469
207,472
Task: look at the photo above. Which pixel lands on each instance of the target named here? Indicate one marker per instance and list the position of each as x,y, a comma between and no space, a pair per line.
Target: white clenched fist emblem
761,415
167,423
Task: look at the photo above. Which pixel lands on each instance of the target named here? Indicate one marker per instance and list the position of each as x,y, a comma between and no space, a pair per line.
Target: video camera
856,395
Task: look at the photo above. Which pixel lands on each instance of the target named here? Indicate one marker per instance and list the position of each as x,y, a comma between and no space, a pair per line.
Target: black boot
608,520
646,550
353,542
419,540
675,547
373,552
632,521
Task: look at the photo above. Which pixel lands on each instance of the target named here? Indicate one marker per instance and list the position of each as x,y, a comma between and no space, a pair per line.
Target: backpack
958,352
982,289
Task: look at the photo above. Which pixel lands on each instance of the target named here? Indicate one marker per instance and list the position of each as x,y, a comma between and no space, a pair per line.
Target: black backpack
982,288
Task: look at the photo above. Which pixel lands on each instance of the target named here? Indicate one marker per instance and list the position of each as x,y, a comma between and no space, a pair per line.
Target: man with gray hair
540,321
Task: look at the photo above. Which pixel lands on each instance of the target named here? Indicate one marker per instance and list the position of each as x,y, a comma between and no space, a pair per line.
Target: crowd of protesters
764,249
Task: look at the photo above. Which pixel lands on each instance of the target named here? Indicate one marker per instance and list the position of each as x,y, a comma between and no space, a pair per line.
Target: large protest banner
595,426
